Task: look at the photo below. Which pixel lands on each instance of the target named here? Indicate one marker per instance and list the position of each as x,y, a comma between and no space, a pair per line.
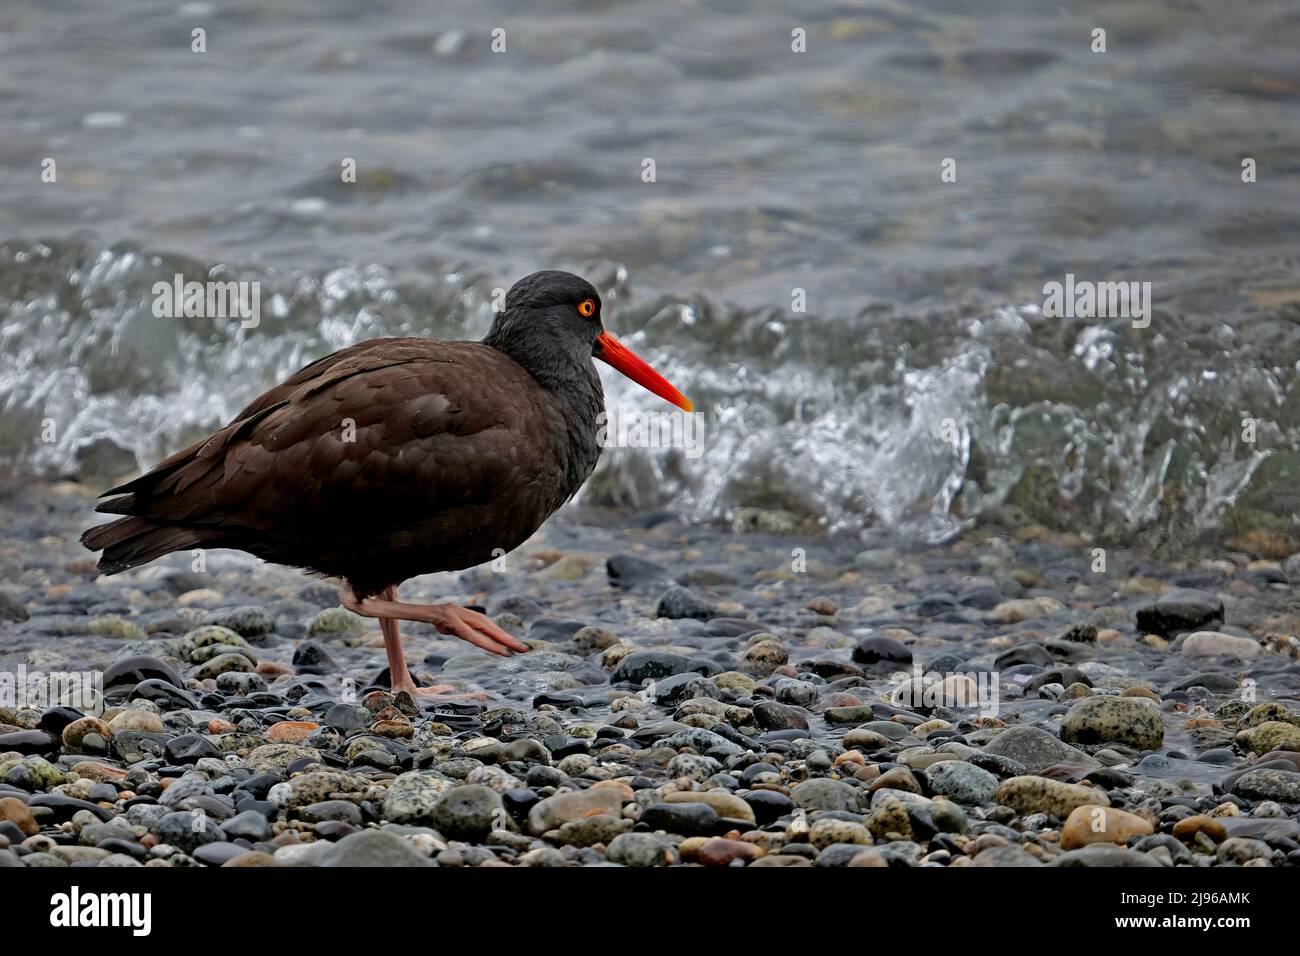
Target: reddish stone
719,851
291,731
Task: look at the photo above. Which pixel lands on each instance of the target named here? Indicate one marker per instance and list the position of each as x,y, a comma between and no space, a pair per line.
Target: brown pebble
291,731
869,858
822,605
899,778
1142,692
17,813
1187,828
719,851
1096,824
251,858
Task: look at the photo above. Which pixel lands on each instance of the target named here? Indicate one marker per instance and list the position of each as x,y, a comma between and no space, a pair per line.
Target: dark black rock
557,700
725,730
310,657
751,772
540,775
248,824
627,571
119,845
263,808
30,742
1099,855
554,630
770,715
1224,756
165,694
104,792
679,602
1065,676
1213,682
56,718
10,831
561,745
710,668
649,665
1108,778
729,626
132,670
687,819
947,664
215,854
519,800
1181,610
1030,652
679,687
833,670
933,605
520,605
875,651
187,748
838,854
65,807
345,717
768,805
981,598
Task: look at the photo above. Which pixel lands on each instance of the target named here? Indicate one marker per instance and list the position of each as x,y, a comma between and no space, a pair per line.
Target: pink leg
452,619
399,675
447,618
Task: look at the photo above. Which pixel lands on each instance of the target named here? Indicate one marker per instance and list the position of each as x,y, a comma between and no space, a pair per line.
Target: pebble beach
695,695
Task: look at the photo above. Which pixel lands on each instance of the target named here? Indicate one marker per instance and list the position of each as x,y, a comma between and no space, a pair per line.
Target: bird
396,457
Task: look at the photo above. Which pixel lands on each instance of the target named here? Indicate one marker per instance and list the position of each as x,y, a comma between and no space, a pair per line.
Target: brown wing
272,397
369,455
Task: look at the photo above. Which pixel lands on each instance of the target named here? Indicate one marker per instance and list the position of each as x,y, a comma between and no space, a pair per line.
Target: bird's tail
128,542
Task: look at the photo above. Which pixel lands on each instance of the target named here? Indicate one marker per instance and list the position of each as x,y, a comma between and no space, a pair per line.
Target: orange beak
613,352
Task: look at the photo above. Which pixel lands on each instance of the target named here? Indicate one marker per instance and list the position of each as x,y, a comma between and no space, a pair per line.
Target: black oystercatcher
396,457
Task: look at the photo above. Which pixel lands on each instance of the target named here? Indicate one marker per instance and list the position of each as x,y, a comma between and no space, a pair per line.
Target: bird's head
552,319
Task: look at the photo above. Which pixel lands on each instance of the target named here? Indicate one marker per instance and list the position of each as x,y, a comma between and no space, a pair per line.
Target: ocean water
868,340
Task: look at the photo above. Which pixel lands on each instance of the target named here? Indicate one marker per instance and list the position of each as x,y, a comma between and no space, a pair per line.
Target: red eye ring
587,308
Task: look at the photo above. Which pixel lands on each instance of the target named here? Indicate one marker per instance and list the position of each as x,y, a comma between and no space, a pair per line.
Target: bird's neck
571,379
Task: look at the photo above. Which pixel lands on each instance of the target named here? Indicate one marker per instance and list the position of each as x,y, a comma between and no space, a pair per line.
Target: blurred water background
922,389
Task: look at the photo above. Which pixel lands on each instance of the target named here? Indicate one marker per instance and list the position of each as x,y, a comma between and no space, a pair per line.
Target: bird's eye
587,307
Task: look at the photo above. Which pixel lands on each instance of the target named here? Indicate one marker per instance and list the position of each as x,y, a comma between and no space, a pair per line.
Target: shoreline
722,697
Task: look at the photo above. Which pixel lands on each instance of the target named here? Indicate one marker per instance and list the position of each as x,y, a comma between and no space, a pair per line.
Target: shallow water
775,171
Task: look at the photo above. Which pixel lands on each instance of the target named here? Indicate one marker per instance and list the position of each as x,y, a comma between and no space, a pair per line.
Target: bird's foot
452,619
474,627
